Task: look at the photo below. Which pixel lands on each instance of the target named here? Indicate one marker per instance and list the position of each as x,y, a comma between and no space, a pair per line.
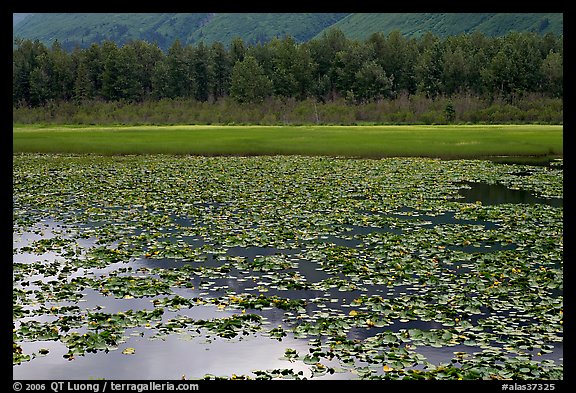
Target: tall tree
371,82
202,72
429,67
221,70
303,69
283,76
397,56
142,58
323,52
249,82
161,80
62,75
110,71
264,55
25,58
40,86
454,71
95,67
83,86
349,62
552,72
177,69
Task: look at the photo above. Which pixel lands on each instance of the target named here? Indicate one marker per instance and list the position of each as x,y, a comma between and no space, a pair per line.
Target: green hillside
361,25
261,27
83,29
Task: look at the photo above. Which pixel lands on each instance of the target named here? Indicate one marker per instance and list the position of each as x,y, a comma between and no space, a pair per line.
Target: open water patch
495,194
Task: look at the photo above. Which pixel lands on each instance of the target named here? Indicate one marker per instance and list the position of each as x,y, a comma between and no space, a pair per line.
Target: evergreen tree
110,71
83,87
178,71
221,69
25,58
202,72
95,67
141,58
62,72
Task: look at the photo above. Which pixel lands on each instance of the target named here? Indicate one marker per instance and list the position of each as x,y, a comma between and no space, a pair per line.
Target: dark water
495,194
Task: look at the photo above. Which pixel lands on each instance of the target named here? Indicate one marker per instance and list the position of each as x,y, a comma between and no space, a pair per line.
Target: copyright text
104,386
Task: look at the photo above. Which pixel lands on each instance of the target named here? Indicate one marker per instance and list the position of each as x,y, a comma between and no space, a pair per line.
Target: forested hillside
83,29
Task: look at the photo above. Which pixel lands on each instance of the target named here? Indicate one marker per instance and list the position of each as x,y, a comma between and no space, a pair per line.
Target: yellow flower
387,368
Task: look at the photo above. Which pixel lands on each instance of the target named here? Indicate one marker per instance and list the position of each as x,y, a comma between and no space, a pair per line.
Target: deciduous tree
249,83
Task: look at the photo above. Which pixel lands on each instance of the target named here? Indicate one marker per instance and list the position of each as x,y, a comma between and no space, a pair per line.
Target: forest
519,74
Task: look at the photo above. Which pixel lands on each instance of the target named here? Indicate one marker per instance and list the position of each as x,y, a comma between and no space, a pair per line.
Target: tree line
325,69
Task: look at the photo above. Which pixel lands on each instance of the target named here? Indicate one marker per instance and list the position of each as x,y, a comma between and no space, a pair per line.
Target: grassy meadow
446,141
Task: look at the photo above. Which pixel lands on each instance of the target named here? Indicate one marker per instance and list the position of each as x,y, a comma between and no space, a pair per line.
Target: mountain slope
72,29
361,25
261,27
84,29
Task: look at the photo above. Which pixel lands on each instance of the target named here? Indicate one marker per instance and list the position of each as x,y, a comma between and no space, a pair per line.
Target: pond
286,267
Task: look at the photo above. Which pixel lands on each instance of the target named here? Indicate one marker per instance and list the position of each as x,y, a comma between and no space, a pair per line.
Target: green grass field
445,141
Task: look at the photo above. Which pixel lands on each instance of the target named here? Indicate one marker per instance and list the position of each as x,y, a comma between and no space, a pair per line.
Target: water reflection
495,194
170,358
